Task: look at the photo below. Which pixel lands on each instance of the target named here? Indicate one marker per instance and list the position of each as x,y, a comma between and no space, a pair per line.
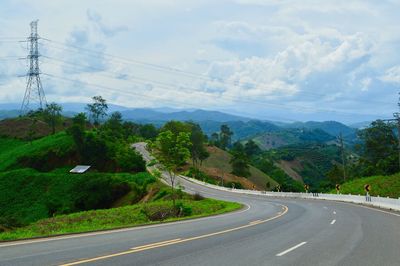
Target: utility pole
343,156
397,120
34,92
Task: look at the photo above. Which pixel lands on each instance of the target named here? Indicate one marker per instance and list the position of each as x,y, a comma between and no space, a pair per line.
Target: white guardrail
381,202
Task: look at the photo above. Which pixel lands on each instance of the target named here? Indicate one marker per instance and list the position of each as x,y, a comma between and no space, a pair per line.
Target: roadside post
306,188
337,189
367,188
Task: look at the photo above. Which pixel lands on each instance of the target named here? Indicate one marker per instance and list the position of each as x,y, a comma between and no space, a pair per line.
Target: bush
199,175
158,212
197,196
183,210
152,163
129,160
236,185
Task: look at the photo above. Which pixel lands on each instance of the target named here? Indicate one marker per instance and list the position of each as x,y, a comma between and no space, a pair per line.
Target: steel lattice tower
34,93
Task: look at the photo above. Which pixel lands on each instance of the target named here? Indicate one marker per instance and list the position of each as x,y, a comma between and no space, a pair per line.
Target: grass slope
219,159
27,195
384,186
19,127
14,150
127,216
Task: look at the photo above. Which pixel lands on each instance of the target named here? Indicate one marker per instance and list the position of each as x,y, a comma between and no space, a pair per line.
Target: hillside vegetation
42,152
40,197
271,140
133,215
383,186
218,165
27,195
22,127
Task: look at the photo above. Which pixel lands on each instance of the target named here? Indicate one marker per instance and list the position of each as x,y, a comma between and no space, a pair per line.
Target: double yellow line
177,240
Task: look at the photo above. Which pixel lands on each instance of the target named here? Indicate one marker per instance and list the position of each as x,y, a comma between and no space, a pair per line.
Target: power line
164,86
191,74
133,61
119,59
167,86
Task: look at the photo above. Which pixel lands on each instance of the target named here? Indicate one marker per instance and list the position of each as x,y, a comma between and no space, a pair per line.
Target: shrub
183,210
236,185
197,196
158,212
152,163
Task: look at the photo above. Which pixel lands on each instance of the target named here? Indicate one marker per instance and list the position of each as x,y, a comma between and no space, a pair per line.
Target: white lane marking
290,249
325,207
334,212
333,222
134,228
374,209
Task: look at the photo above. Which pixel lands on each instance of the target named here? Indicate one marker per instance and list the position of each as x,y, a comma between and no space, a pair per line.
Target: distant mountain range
144,115
210,121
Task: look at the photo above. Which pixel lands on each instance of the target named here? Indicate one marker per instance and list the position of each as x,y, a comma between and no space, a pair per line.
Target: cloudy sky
270,59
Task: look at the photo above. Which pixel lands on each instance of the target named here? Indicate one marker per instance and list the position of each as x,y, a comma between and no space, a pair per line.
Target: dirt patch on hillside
20,128
291,168
217,174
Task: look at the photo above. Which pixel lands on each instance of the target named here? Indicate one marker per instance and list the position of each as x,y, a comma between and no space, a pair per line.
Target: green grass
384,186
116,218
9,143
27,195
13,150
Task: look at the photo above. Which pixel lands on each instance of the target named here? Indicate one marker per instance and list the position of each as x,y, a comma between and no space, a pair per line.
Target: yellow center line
255,222
178,240
157,243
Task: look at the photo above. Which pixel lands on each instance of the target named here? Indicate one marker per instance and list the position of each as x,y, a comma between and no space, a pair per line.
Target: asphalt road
266,231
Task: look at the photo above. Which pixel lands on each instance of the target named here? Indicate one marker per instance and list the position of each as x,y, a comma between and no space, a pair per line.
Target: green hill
35,182
276,139
21,127
241,129
42,152
308,163
333,128
384,186
27,195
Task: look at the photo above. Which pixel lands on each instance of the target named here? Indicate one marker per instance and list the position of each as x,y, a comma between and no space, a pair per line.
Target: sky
273,60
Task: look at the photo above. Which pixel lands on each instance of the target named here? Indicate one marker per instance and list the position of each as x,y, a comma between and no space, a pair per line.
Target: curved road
267,231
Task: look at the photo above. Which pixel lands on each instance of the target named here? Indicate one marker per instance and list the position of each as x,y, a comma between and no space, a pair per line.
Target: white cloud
281,75
293,52
392,75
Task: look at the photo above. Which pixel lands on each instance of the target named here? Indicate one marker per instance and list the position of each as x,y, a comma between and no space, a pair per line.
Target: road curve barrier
380,202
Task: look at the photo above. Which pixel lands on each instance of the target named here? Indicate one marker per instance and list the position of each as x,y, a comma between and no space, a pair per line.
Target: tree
335,175
176,126
97,110
225,137
52,115
204,154
77,131
198,151
215,139
379,154
240,163
237,147
174,151
112,128
148,131
251,148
